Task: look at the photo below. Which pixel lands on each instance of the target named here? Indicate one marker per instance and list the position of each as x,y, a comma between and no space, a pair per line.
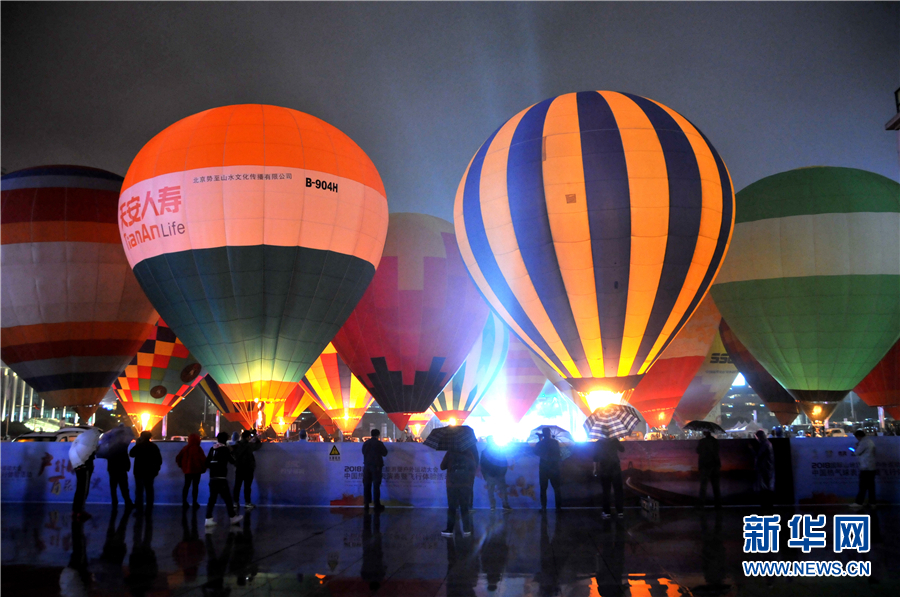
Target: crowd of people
461,466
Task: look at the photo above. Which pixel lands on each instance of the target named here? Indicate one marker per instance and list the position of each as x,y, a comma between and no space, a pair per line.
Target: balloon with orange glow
773,395
659,392
881,387
160,375
295,404
418,319
474,378
254,230
245,413
594,223
715,377
332,386
322,418
418,421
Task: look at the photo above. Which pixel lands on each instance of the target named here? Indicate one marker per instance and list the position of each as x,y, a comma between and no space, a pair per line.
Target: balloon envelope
245,414
332,386
811,285
594,223
474,378
73,314
254,230
417,321
881,387
715,377
663,386
775,397
159,376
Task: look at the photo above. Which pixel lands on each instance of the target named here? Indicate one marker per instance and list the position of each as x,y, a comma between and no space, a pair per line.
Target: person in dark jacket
606,464
548,451
191,460
147,462
117,466
460,467
245,467
493,467
709,465
373,461
764,463
217,462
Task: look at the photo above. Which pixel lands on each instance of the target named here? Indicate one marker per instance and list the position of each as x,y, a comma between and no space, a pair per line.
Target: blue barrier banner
319,474
827,472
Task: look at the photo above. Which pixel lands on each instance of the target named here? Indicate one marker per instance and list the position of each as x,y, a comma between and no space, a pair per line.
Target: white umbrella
83,446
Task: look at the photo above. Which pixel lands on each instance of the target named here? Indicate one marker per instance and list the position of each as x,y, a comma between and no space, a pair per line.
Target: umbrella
114,440
459,438
614,420
557,433
564,438
83,446
704,426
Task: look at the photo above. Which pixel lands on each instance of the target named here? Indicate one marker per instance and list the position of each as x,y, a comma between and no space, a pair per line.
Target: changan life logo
133,212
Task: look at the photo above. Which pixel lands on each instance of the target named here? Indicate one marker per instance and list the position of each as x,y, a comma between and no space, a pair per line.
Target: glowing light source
452,421
145,419
662,416
817,410
602,398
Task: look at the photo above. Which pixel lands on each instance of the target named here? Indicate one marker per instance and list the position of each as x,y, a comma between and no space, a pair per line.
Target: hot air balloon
254,230
594,223
519,382
469,385
417,321
663,386
715,377
418,421
73,314
811,285
159,376
881,387
776,398
322,418
297,401
247,415
340,394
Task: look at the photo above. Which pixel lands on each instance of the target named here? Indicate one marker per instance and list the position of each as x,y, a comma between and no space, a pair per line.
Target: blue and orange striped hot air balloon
332,386
254,230
594,223
73,313
247,415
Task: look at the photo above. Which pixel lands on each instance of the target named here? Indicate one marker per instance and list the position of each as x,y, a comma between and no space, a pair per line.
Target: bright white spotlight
600,398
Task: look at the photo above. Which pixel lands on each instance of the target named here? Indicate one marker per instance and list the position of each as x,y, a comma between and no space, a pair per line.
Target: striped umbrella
459,438
613,421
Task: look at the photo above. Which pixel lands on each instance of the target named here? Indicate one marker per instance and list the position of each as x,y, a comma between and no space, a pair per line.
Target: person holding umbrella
81,457
548,451
460,462
606,464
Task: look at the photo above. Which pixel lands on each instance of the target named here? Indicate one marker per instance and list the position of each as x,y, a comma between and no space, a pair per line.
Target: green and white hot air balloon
811,283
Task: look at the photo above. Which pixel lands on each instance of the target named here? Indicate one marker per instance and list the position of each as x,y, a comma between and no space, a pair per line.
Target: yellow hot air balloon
339,393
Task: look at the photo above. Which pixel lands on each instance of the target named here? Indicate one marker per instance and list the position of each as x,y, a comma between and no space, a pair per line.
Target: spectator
865,453
547,450
373,461
245,467
81,456
117,466
191,460
217,464
709,465
147,462
493,467
764,462
606,464
460,467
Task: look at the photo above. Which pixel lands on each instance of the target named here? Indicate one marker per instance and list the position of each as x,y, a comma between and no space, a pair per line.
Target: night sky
419,87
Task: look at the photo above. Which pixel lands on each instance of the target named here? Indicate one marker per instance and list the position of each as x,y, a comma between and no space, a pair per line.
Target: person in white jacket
865,453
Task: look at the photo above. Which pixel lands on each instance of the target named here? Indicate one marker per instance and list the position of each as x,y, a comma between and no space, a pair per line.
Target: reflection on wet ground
344,552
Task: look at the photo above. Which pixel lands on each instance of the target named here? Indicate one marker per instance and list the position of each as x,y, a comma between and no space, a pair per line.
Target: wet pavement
344,552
